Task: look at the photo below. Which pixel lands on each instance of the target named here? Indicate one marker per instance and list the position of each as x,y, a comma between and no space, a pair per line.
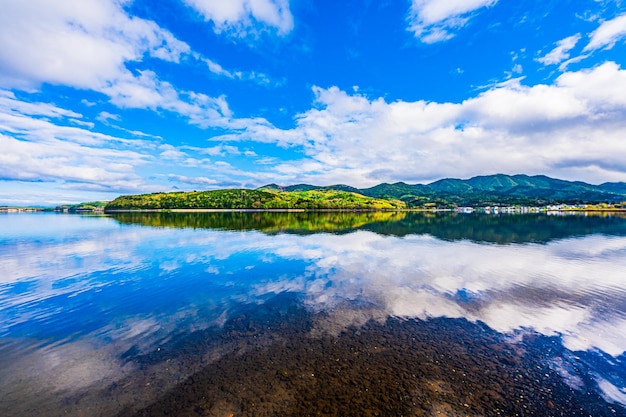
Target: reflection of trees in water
504,228
267,222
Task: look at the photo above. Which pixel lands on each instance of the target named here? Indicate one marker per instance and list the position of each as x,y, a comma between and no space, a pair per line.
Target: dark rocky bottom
437,367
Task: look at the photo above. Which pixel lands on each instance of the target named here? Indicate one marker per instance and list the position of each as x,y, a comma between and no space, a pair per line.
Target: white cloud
563,66
256,77
193,180
10,103
147,91
605,36
57,160
38,145
216,68
561,52
435,21
169,152
105,117
245,17
571,129
219,150
79,43
87,44
608,34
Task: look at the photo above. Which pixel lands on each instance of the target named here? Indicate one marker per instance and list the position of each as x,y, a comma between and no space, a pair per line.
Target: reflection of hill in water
538,228
266,222
506,228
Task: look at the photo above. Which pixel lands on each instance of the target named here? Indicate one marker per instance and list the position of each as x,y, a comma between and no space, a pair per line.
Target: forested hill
254,199
486,190
447,193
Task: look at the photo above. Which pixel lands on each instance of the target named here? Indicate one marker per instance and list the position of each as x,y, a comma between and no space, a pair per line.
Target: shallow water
312,314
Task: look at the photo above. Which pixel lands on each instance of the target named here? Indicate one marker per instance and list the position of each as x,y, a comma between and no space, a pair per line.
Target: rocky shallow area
280,358
299,366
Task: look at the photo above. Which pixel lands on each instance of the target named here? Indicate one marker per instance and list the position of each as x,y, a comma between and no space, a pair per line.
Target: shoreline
419,210
264,210
296,210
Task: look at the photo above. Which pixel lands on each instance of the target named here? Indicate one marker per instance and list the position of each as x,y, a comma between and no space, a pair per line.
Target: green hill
86,207
396,190
452,186
488,190
614,187
485,190
261,199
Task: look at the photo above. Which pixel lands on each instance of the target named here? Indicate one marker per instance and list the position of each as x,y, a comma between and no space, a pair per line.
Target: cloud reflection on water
573,287
141,286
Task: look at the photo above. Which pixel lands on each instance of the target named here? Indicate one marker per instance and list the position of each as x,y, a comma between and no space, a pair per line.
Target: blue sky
106,97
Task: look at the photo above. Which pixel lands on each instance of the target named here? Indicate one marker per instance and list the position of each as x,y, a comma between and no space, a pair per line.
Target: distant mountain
539,186
614,187
452,186
486,190
396,190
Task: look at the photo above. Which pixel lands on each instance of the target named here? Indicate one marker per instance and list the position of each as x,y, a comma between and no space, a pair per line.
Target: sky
100,98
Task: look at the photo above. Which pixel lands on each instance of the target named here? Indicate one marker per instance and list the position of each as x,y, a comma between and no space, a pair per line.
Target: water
302,313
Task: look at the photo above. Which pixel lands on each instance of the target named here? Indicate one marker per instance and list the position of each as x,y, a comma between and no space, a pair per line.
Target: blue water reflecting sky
72,283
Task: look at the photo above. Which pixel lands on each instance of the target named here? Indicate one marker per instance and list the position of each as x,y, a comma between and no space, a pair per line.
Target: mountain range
485,190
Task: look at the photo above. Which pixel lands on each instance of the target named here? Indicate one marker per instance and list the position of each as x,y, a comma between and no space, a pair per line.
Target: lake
263,314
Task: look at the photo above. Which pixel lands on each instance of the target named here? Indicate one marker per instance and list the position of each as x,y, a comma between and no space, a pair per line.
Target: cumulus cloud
56,160
89,44
45,144
561,51
38,144
570,129
435,21
608,34
79,43
245,17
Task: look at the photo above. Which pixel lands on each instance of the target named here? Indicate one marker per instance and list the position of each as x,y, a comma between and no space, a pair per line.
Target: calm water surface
231,314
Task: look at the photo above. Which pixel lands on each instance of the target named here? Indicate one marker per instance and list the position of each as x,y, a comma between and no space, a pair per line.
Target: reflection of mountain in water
503,229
